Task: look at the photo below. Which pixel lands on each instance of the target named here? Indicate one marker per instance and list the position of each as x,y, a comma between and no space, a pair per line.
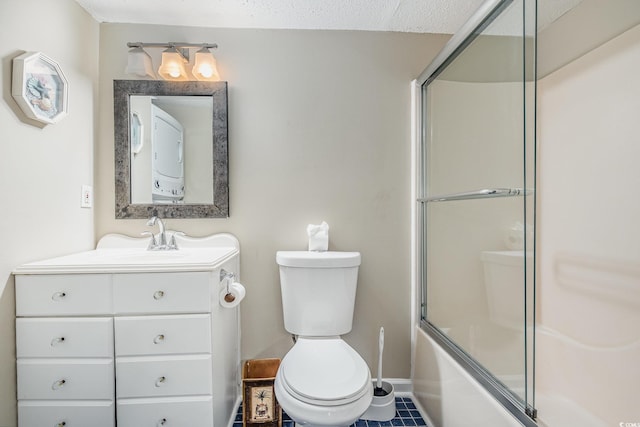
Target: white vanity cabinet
120,344
163,349
64,363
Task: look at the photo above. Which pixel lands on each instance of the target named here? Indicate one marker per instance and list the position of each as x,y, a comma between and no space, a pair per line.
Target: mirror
171,150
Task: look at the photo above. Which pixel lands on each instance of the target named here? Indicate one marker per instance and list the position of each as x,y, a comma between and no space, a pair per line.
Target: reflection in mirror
178,135
171,149
477,200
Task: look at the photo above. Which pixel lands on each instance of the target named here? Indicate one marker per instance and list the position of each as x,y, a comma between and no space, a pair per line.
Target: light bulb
174,71
205,70
172,67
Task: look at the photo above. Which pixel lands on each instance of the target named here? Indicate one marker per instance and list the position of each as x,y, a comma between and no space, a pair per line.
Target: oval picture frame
40,87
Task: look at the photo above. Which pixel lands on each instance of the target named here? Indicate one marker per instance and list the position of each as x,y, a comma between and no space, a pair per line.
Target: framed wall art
260,406
40,87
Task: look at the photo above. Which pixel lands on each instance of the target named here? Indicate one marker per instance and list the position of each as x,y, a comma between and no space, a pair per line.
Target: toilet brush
383,402
378,390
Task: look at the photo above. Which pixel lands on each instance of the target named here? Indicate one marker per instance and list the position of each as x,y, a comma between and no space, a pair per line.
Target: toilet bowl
321,381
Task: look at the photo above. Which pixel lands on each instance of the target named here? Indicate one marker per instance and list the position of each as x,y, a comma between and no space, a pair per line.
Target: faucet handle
152,243
172,243
149,233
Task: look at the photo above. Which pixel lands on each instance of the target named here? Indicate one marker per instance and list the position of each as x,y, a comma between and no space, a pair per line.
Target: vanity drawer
63,294
161,293
68,414
166,376
65,379
64,337
196,411
156,335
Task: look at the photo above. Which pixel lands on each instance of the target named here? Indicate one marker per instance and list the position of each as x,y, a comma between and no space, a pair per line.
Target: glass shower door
476,199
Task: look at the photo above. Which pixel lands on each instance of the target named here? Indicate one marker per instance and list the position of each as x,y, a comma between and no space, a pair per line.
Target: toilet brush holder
382,408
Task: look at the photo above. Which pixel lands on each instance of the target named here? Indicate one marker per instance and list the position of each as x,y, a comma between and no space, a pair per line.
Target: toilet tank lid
309,259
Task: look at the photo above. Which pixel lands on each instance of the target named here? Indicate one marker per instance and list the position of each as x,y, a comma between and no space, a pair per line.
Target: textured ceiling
421,16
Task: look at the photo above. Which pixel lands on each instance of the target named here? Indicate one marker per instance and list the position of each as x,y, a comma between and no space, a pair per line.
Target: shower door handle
485,193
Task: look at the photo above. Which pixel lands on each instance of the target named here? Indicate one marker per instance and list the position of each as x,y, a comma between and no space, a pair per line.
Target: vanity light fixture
139,63
175,59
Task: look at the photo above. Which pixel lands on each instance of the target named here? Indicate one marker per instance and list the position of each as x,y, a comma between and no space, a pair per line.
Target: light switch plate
87,197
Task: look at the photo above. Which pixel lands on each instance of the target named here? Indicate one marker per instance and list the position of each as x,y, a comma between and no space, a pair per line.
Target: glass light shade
172,67
139,63
205,67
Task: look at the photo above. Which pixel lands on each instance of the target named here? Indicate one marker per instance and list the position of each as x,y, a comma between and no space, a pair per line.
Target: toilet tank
504,279
318,291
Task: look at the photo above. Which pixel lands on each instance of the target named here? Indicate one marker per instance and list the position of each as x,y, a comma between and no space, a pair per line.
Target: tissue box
259,404
318,237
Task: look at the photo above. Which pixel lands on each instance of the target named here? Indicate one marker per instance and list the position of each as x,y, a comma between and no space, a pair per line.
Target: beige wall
318,130
42,169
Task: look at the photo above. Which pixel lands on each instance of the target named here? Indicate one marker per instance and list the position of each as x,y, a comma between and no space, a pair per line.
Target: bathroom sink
118,241
139,256
119,253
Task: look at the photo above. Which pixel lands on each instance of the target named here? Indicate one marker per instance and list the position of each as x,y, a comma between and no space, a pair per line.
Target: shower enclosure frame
523,410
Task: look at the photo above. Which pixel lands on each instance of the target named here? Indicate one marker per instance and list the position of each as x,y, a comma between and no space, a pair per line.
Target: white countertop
205,254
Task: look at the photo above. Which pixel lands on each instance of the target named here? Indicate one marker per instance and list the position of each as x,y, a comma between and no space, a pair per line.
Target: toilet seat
324,372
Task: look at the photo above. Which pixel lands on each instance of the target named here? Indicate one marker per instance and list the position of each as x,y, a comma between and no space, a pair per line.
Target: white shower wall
588,339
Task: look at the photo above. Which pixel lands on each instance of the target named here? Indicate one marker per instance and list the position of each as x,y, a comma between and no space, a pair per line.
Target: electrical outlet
87,197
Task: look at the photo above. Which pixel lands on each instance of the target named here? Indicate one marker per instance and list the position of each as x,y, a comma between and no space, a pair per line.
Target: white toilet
321,381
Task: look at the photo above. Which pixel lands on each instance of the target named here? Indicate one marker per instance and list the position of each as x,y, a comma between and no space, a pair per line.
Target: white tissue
235,289
318,237
515,237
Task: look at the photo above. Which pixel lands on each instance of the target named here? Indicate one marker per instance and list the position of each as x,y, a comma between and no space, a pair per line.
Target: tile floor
406,415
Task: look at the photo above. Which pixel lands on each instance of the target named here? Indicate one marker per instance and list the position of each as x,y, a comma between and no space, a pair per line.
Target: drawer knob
58,384
160,381
61,424
158,339
162,422
158,295
56,341
58,296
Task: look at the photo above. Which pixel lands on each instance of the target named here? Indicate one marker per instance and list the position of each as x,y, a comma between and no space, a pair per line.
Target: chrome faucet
161,244
162,239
